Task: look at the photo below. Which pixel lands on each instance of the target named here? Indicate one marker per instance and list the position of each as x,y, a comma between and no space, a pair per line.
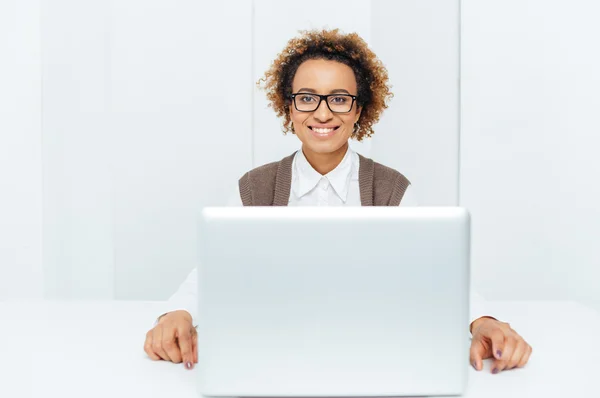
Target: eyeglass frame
321,97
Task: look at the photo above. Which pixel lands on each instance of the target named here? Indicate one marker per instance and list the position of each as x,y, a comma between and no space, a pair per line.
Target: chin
324,147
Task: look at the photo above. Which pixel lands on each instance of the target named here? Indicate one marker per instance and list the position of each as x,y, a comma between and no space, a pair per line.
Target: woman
328,87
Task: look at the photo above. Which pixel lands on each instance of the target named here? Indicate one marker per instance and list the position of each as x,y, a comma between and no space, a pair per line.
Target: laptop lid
333,301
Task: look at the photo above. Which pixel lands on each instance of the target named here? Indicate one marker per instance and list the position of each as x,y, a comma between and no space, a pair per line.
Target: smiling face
323,131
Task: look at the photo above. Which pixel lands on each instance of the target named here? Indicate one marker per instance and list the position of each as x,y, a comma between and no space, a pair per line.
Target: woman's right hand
174,339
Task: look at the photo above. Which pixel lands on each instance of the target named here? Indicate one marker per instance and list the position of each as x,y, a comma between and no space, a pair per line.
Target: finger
525,357
184,335
477,353
518,353
170,344
157,343
498,366
510,347
148,347
511,341
501,364
497,337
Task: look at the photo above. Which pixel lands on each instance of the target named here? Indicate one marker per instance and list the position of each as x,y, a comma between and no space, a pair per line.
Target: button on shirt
339,187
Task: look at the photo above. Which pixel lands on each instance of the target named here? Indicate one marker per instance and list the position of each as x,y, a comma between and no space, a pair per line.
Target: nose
322,113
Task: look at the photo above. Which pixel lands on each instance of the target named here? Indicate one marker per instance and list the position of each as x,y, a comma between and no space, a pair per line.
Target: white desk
95,349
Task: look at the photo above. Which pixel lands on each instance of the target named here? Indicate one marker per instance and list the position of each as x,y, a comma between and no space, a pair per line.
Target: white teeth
322,131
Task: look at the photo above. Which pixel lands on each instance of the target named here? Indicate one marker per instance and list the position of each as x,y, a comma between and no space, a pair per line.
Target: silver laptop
333,301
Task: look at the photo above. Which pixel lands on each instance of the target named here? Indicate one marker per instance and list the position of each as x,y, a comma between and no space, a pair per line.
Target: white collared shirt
339,187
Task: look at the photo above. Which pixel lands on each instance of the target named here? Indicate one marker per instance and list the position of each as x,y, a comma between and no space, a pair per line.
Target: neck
325,162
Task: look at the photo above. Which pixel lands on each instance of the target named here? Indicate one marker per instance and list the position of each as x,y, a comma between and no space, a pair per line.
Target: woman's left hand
496,339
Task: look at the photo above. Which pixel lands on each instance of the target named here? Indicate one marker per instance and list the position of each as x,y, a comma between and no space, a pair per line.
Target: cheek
298,118
349,121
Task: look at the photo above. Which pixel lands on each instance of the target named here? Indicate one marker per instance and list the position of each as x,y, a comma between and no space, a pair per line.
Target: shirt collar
307,177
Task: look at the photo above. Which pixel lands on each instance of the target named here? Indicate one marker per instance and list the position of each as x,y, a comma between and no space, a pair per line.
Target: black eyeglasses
337,103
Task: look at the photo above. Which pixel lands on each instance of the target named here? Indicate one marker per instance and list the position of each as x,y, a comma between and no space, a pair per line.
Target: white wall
529,142
78,149
20,150
132,132
181,95
137,127
418,41
150,111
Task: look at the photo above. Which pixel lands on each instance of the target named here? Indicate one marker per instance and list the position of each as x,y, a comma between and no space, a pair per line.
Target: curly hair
349,49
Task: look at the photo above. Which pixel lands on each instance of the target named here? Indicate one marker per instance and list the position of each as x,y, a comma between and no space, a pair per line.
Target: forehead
324,76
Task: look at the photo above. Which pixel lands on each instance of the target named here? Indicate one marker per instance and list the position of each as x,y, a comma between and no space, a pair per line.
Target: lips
323,130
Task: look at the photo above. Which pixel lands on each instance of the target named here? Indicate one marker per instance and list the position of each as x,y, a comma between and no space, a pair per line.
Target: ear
290,124
358,112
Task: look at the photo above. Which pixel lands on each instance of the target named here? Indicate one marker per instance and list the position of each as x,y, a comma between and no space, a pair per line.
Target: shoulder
387,179
388,185
387,173
383,173
269,169
258,184
267,185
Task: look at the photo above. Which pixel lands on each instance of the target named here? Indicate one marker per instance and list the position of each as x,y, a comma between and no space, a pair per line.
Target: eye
307,99
338,100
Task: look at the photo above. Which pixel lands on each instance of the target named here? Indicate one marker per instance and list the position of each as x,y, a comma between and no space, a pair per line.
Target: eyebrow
336,91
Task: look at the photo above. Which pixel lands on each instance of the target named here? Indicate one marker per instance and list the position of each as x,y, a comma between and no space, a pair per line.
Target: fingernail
474,364
188,365
495,371
499,354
